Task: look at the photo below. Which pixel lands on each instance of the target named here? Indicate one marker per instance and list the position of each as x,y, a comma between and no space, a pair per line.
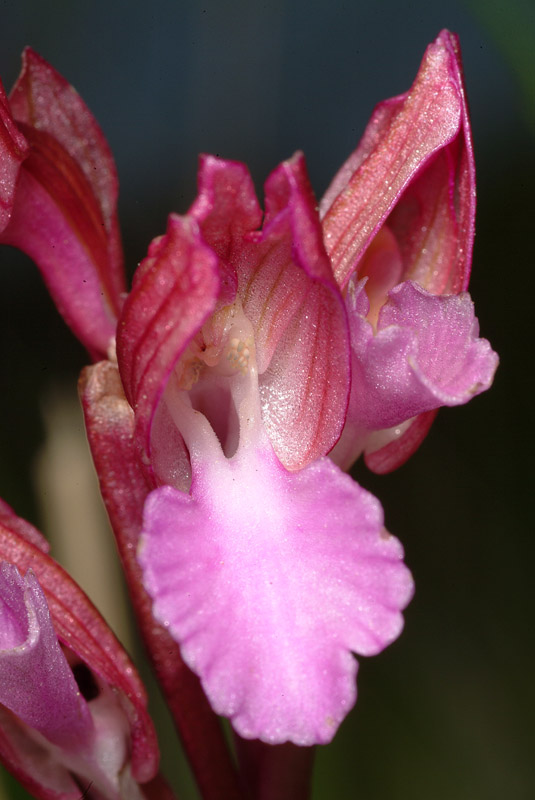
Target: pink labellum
268,580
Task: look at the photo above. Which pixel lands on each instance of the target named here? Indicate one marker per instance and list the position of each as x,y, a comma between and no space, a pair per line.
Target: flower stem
275,772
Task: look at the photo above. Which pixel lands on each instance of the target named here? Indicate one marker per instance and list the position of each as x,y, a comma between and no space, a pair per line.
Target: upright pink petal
175,291
42,99
64,214
226,209
226,206
414,163
268,580
402,208
289,295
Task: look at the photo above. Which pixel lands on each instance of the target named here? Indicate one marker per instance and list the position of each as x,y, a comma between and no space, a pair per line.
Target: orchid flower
226,343
398,224
73,711
249,346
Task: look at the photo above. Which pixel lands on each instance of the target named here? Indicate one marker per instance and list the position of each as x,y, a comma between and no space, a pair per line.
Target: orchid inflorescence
256,357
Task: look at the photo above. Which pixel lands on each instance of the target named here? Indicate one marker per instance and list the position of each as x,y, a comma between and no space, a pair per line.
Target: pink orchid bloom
398,224
254,545
73,711
244,354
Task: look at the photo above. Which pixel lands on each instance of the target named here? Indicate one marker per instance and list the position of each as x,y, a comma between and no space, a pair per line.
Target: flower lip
254,572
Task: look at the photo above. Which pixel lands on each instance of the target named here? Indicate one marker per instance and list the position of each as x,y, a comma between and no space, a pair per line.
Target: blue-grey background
447,711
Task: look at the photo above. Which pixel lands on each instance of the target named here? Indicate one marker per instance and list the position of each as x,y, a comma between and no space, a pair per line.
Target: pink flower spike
268,580
63,212
425,353
414,172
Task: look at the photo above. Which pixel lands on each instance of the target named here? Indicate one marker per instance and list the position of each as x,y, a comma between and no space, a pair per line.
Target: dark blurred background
446,713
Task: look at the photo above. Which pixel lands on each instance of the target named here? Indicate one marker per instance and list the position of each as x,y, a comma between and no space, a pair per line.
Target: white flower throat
213,395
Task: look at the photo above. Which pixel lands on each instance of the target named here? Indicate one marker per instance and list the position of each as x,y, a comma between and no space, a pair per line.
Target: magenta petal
68,252
175,291
226,209
425,354
43,99
64,214
268,580
36,682
403,137
301,336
